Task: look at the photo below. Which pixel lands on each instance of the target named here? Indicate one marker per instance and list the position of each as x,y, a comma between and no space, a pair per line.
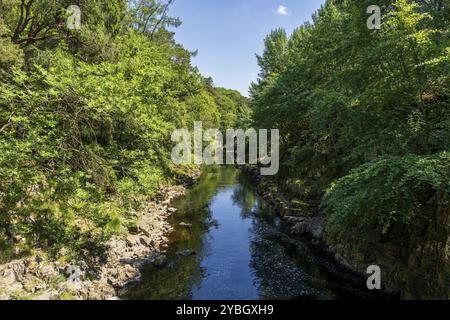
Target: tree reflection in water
245,255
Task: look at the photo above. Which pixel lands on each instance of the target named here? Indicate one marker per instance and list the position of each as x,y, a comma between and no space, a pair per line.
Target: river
228,244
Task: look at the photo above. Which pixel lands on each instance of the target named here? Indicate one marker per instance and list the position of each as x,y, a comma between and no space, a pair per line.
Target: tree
273,58
10,54
150,16
364,118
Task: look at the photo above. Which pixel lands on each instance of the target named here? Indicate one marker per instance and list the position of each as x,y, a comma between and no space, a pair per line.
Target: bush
389,198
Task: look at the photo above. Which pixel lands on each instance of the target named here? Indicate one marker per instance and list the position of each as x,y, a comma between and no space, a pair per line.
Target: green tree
365,115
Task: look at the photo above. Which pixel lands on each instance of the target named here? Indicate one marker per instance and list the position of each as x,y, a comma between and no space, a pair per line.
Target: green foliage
234,108
389,198
364,113
85,126
273,59
10,54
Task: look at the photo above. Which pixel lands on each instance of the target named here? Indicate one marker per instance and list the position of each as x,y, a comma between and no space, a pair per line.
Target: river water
228,244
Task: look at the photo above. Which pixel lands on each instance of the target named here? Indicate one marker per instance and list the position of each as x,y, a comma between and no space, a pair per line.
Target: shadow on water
241,251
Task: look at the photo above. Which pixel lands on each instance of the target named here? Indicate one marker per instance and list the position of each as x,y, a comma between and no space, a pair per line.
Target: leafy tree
10,54
86,119
364,117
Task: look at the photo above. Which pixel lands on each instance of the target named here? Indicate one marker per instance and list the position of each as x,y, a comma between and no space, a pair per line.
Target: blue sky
228,33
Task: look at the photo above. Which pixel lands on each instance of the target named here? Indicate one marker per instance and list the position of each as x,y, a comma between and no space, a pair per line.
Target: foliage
364,114
85,125
410,186
10,54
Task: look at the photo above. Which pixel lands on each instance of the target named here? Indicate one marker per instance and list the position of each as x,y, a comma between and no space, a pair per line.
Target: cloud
284,11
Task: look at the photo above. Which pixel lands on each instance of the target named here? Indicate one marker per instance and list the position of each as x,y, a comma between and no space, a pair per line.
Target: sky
228,34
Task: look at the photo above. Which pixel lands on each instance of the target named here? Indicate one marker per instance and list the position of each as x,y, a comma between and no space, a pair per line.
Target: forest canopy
365,122
86,118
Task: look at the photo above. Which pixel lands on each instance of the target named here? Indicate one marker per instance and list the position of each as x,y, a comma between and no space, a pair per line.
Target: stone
317,231
186,225
139,246
186,253
132,240
134,230
293,220
7,278
74,276
299,204
145,241
300,228
160,262
47,271
47,295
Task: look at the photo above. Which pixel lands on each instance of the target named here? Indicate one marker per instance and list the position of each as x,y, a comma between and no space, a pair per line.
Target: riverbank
301,218
103,277
305,219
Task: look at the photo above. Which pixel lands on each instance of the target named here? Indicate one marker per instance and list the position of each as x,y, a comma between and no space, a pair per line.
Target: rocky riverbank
302,218
104,277
401,268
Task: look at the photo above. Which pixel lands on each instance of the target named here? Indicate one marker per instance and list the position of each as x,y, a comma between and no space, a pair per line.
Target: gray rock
145,241
294,220
186,253
300,228
160,262
186,225
7,278
317,231
74,276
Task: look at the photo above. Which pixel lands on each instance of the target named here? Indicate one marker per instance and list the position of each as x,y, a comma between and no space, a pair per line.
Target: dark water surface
241,251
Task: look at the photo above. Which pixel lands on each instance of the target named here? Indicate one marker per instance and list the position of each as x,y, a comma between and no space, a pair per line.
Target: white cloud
284,11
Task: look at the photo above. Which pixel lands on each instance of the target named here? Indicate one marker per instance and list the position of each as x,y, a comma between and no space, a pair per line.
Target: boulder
186,253
160,262
186,225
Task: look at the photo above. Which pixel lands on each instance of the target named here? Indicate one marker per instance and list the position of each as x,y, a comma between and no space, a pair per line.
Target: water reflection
241,252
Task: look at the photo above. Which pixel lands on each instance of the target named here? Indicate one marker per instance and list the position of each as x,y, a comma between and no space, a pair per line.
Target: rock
115,269
293,220
186,253
33,284
47,295
99,290
145,241
7,278
145,228
160,262
186,225
74,276
300,228
132,241
72,270
134,230
295,203
12,276
317,231
47,271
19,269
